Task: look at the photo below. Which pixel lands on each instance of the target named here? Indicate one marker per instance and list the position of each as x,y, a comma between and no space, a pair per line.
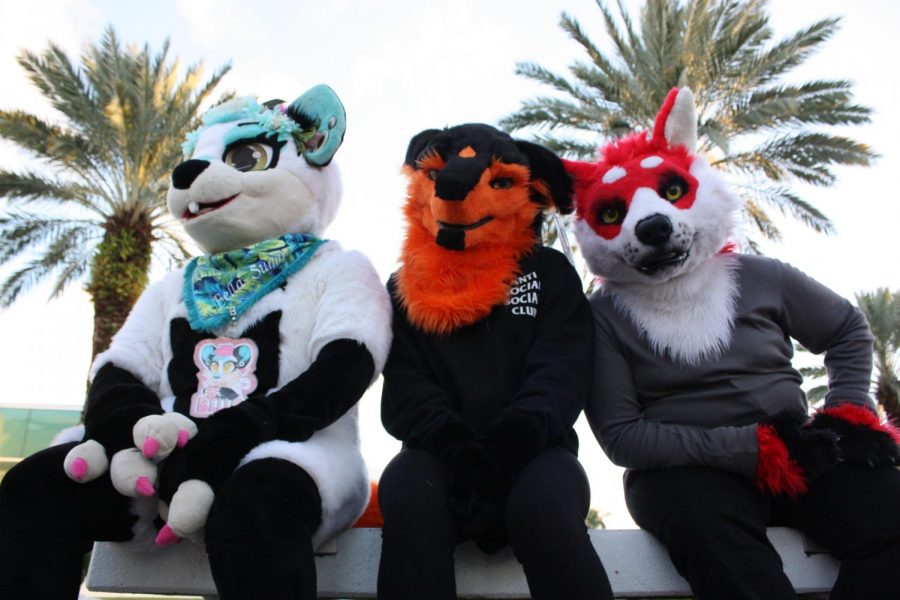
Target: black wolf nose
654,230
184,174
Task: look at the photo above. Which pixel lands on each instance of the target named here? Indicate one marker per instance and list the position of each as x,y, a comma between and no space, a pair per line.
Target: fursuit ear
583,175
319,109
677,120
547,167
417,146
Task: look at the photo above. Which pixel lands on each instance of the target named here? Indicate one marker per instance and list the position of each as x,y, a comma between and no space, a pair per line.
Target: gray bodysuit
649,412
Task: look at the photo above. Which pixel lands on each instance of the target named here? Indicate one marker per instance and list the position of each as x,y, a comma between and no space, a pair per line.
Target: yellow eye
501,183
229,367
674,191
610,215
611,212
252,156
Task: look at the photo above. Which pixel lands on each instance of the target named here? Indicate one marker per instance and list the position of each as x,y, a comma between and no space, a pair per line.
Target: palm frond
30,187
758,217
812,103
785,201
64,256
21,232
551,113
569,147
751,121
808,156
882,311
123,113
770,64
539,74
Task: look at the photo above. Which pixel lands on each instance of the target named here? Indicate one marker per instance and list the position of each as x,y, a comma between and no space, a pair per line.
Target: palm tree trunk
119,274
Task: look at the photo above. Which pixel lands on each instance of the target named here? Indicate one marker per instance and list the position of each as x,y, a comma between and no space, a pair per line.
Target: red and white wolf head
650,209
652,220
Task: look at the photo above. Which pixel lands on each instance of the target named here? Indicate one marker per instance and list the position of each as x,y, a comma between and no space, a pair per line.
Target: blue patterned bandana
219,288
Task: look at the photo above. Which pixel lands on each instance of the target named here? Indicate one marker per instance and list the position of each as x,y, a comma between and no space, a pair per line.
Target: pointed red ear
676,123
659,127
583,174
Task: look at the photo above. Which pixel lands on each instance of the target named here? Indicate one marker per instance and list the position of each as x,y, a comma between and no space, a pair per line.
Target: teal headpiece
316,121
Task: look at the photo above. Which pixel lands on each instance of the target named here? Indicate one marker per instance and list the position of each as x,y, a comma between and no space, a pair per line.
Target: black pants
258,533
714,524
544,519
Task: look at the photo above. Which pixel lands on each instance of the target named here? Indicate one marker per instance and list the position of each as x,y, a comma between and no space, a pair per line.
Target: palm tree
94,208
752,123
882,309
815,376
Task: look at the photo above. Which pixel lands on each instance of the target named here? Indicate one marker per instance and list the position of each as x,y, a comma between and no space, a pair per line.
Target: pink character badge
225,374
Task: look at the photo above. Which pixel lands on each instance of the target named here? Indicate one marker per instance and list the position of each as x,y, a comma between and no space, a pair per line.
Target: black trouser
258,532
714,526
545,515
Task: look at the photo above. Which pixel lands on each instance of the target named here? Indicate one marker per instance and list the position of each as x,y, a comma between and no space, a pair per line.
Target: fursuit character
694,391
487,374
230,390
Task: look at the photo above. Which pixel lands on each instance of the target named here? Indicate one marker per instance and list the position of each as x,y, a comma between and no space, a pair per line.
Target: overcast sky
401,66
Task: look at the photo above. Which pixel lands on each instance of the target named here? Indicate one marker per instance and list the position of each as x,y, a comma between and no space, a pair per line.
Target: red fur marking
659,128
593,197
372,516
776,472
860,415
636,145
728,248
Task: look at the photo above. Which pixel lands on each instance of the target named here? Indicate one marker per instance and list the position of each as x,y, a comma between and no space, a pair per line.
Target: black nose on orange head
466,151
184,174
459,177
471,182
654,230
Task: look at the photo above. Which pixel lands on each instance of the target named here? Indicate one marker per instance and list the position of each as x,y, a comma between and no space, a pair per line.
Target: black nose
184,174
654,230
458,178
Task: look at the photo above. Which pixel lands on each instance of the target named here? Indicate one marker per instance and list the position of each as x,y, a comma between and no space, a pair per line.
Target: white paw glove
133,475
187,512
86,461
156,436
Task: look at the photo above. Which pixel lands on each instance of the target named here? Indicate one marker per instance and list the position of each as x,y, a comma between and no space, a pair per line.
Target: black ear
418,144
548,167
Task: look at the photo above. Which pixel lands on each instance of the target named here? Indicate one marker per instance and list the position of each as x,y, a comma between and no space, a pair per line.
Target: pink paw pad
78,469
166,537
183,437
143,487
151,445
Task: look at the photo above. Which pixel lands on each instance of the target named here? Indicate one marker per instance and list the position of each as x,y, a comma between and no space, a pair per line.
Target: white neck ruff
689,318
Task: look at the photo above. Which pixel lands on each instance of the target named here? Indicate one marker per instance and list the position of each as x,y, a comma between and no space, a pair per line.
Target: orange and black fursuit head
473,209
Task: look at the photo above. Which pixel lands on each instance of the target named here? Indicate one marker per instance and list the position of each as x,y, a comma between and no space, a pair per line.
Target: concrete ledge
637,564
